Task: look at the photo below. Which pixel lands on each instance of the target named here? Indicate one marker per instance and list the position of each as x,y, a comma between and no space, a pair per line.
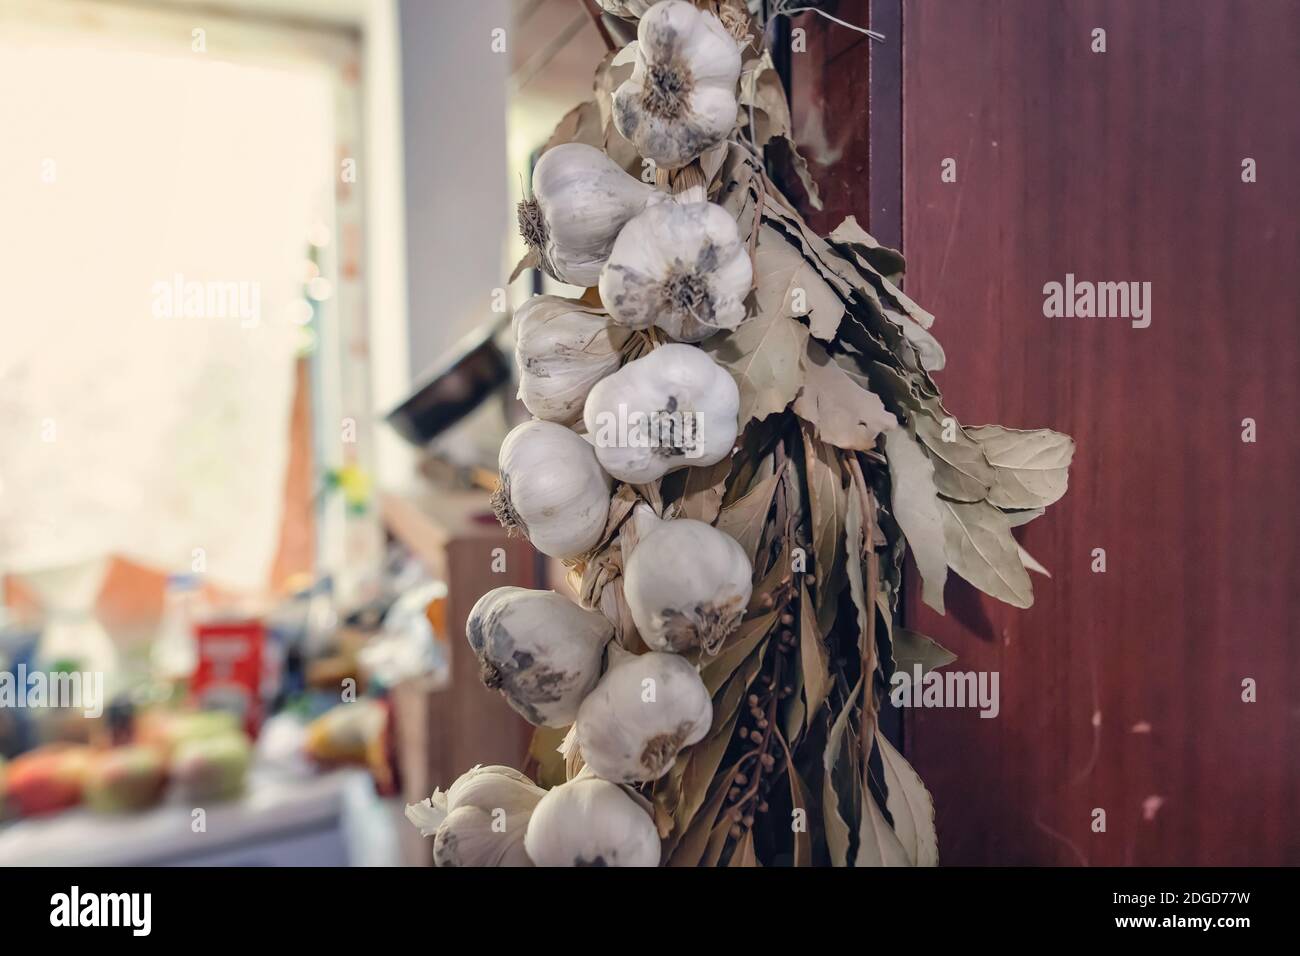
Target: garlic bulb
687,585
591,822
481,820
645,709
552,489
563,348
542,651
581,199
681,97
681,267
667,410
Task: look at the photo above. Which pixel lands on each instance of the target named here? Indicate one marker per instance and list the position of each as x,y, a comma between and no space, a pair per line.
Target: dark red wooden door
1120,691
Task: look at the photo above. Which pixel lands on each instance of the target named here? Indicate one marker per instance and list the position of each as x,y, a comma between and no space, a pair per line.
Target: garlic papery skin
473,837
539,649
681,97
563,348
552,489
642,713
670,409
681,267
687,585
480,820
591,822
581,199
631,9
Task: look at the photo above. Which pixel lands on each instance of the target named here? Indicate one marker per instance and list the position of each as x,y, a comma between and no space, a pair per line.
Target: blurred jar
174,654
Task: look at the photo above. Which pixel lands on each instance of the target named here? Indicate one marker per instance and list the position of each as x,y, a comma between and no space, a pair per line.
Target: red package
229,672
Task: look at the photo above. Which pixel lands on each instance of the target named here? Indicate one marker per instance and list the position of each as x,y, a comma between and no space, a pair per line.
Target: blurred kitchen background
254,369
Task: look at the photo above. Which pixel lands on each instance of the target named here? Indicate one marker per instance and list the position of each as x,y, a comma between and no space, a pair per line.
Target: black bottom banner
237,907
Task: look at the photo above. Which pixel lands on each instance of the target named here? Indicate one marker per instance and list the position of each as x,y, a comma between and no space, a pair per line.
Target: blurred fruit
47,779
124,779
211,768
165,730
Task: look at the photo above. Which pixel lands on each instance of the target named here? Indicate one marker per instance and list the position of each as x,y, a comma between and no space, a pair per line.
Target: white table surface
273,808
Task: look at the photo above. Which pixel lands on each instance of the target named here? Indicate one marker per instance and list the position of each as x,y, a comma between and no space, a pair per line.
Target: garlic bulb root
670,409
681,97
704,626
642,713
680,266
581,199
687,586
552,489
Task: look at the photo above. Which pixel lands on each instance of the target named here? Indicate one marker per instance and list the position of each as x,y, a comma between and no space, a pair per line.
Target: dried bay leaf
778,215
701,767
827,501
810,296
784,146
865,252
844,413
853,546
800,800
794,712
910,805
912,648
778,575
979,546
1031,467
763,354
702,491
814,658
1031,563
746,518
1018,518
700,763
760,87
735,188
961,471
915,506
582,124
743,854
717,843
888,262
927,346
878,844
838,835
689,850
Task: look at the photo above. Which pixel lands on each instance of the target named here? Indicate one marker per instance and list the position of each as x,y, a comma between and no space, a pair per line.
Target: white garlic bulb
581,199
563,347
645,709
687,585
541,650
681,97
670,409
591,822
681,267
481,820
552,489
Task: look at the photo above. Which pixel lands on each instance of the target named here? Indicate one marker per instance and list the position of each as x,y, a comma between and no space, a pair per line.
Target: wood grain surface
1119,691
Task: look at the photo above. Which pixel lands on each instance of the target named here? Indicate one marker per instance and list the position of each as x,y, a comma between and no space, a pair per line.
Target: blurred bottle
175,654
